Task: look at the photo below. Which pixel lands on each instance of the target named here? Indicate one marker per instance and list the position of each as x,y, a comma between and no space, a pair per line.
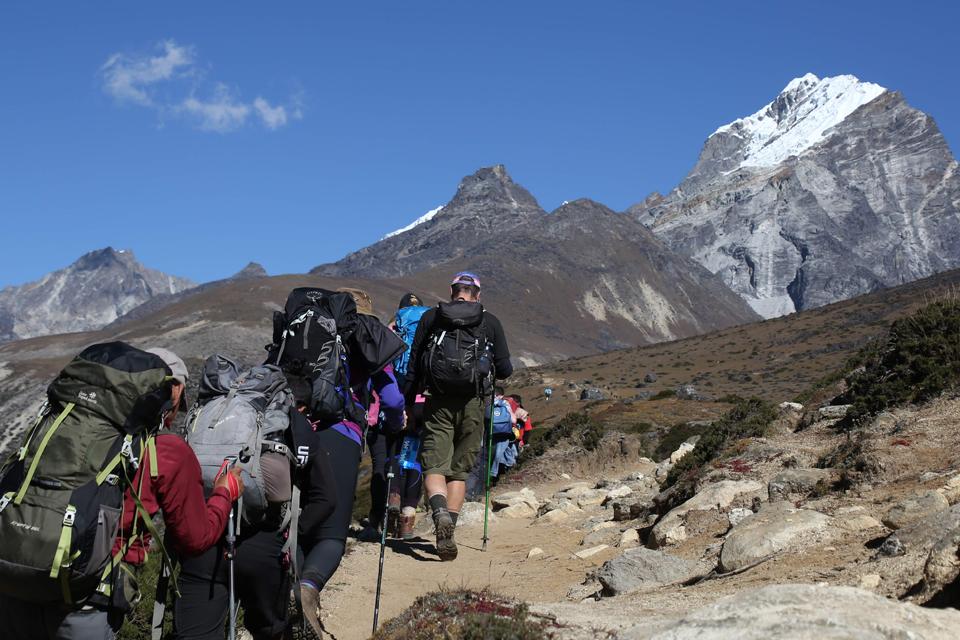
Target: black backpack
457,357
309,340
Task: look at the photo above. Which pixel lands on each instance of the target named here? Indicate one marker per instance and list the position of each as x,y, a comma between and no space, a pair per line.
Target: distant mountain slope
89,294
834,189
487,204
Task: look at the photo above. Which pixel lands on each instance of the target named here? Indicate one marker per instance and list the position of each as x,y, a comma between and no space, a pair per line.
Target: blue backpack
408,319
502,422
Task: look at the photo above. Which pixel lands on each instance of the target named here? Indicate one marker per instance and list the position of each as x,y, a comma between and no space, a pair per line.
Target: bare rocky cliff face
836,188
89,294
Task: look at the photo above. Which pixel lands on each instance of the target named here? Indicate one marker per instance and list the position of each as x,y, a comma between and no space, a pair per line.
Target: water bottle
408,453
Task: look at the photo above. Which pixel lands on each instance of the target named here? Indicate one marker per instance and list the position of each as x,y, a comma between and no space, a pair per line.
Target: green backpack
61,494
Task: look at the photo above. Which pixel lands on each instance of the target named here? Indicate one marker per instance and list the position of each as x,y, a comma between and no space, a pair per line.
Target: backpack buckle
112,479
127,452
5,500
69,516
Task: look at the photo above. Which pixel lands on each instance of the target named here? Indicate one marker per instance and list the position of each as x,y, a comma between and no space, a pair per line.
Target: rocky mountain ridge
836,188
95,290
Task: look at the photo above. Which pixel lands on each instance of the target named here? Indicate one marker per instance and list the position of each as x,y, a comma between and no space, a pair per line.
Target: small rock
591,394
534,552
617,492
870,581
689,392
915,508
525,497
797,482
565,476
858,522
471,513
641,568
790,407
681,451
591,498
607,524
833,412
650,378
589,590
671,529
892,547
573,491
592,551
629,539
553,517
951,490
608,537
518,511
738,515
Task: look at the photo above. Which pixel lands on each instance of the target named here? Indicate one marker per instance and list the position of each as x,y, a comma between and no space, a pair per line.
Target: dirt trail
413,569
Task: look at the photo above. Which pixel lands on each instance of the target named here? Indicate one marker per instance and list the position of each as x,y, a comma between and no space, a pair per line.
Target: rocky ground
770,545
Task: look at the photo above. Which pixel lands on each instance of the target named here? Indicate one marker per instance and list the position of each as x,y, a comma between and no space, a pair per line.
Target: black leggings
323,553
384,449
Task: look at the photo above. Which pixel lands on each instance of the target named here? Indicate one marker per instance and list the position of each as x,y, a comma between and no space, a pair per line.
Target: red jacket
192,524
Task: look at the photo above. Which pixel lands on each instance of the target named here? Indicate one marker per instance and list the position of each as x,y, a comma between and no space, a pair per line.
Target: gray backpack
243,416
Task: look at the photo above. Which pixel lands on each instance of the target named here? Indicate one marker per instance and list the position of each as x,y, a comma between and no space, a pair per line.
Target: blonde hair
361,298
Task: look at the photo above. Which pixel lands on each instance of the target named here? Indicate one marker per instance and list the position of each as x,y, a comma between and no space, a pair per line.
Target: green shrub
918,360
663,395
673,438
465,615
579,427
747,419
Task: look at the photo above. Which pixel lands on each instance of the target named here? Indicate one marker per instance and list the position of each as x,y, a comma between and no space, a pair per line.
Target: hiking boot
406,526
446,546
369,533
310,601
393,515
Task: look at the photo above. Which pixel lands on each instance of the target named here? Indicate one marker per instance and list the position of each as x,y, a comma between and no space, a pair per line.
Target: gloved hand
232,482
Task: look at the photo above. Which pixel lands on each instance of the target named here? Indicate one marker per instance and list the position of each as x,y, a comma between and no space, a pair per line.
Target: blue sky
205,135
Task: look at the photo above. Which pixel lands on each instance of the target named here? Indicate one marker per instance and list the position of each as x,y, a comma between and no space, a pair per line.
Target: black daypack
457,357
61,494
309,340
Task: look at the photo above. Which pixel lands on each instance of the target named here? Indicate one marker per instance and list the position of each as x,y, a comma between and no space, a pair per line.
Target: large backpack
309,338
62,492
244,415
499,413
407,321
457,357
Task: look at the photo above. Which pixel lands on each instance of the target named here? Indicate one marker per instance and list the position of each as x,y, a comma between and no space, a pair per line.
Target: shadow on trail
412,547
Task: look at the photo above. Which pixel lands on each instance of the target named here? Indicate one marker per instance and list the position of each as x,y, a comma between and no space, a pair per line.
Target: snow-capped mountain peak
798,118
429,215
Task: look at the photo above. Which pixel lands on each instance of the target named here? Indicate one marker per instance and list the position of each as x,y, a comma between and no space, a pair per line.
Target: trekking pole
486,499
383,546
231,541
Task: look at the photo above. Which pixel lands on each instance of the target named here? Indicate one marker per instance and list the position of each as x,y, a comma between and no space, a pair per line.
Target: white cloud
172,84
221,112
130,78
273,117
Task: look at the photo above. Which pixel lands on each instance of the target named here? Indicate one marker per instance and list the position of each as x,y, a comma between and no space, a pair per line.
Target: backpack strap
290,546
43,445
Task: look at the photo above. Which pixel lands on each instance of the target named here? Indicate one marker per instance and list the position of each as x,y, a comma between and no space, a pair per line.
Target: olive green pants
452,435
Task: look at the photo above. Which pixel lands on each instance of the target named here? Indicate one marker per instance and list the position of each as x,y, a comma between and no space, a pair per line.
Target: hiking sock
438,502
453,516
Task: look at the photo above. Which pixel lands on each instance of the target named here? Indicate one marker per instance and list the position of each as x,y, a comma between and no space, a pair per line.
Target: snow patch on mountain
429,215
799,117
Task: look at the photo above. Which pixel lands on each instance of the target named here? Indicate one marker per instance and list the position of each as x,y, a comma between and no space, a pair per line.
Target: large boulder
801,612
671,529
776,528
591,394
471,513
801,483
915,508
642,568
833,412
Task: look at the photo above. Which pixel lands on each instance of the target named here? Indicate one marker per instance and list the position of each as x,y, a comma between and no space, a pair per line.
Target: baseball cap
177,369
467,278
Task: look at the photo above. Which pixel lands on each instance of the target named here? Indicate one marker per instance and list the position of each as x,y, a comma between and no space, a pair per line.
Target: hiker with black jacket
457,349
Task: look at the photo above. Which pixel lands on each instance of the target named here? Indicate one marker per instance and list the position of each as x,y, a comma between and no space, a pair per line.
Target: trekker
110,385
453,350
367,348
263,579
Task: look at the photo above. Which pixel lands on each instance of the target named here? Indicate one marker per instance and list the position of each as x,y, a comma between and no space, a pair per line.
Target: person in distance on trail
169,481
457,349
